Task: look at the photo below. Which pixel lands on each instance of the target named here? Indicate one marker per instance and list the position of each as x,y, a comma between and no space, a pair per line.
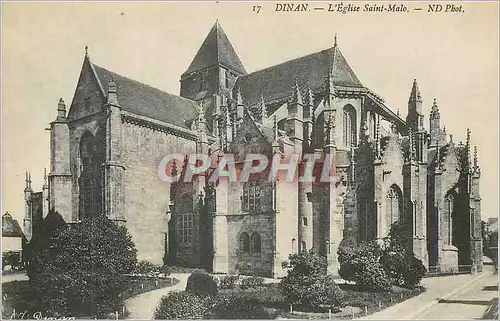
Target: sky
453,56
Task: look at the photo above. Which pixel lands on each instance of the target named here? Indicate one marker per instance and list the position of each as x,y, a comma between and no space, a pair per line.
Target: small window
256,243
226,77
304,221
203,84
244,242
303,246
86,102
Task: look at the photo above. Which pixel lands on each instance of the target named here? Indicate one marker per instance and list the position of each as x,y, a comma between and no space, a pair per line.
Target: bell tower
210,77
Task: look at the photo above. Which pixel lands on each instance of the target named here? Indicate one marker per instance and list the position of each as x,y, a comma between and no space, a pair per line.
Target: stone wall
146,196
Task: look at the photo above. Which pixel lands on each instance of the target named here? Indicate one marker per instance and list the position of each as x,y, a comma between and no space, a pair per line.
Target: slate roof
215,50
148,101
312,70
10,227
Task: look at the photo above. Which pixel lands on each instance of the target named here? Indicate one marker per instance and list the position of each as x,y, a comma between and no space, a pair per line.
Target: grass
142,285
357,301
17,295
182,269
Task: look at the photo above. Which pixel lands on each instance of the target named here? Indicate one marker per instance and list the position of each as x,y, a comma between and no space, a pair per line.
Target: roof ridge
285,62
139,82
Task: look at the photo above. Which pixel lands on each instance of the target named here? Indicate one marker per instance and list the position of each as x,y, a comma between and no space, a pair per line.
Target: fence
439,270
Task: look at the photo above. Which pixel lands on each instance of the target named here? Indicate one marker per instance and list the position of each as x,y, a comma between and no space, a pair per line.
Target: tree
360,263
398,261
82,271
307,284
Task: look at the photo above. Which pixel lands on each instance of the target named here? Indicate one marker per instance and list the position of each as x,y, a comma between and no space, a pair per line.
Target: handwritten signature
36,316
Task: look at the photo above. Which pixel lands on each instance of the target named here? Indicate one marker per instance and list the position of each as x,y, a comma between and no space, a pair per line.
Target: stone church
105,151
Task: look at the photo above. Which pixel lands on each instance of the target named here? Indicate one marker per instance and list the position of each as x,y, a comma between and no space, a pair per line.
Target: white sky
453,56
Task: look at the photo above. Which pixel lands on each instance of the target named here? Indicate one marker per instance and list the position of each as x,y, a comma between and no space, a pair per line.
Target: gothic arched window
303,246
394,205
256,243
90,198
449,204
244,242
185,219
349,125
304,221
251,196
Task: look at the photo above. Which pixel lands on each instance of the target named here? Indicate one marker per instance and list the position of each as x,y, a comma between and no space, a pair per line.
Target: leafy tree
81,272
361,263
398,261
307,284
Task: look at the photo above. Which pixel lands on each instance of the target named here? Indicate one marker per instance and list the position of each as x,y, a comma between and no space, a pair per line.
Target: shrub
180,305
227,305
165,270
201,284
146,268
361,264
325,294
82,270
415,273
399,263
228,282
372,277
251,282
306,283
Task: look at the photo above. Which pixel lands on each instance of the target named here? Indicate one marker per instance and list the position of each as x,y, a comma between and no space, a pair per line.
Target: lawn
358,303
17,296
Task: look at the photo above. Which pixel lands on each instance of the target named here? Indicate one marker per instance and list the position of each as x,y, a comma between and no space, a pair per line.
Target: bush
12,259
372,277
251,282
325,294
165,270
230,306
147,268
201,284
307,284
180,305
399,263
82,270
415,273
228,282
361,264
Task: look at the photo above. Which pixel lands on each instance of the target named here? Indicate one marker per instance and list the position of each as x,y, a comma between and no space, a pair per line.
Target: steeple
112,94
415,117
27,182
263,108
216,50
61,111
435,126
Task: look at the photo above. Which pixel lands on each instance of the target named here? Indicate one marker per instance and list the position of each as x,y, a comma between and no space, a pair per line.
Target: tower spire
112,93
263,108
296,96
45,177
335,39
415,117
61,110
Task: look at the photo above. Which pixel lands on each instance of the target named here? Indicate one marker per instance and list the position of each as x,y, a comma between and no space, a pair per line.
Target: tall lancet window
394,205
449,204
185,220
251,196
349,125
90,198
